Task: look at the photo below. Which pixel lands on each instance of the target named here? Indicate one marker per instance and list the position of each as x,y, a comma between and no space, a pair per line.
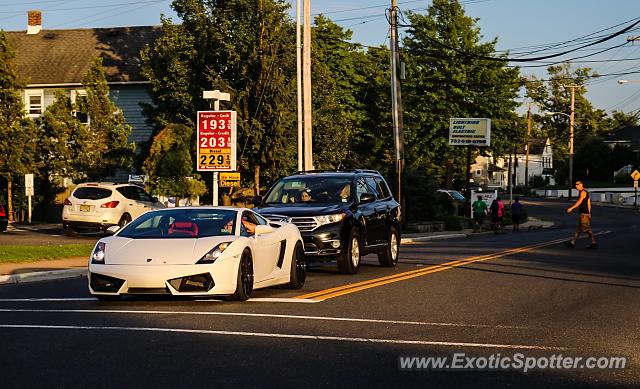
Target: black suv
341,214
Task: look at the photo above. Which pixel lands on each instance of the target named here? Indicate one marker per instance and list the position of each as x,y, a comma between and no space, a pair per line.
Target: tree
244,47
446,78
104,147
592,160
17,133
169,165
60,134
554,95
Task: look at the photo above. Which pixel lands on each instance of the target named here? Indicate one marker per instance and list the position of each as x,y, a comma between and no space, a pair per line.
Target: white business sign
28,185
488,197
469,132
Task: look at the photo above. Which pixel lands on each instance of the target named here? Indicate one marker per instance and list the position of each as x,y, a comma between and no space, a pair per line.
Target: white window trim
73,96
27,104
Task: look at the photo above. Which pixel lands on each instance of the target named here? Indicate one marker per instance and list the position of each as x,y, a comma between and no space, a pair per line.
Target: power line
506,59
85,19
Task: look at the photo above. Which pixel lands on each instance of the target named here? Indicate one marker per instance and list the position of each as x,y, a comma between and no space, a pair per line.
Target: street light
571,121
622,82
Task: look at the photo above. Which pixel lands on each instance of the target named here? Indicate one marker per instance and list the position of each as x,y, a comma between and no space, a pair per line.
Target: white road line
288,336
255,300
281,300
243,314
26,300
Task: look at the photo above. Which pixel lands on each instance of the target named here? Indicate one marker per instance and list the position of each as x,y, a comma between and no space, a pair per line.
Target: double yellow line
373,283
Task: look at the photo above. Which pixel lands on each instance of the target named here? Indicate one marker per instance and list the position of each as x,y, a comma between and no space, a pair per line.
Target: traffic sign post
28,191
636,176
216,144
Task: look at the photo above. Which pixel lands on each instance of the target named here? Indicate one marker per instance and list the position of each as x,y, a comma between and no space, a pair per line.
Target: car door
377,226
367,212
266,247
387,205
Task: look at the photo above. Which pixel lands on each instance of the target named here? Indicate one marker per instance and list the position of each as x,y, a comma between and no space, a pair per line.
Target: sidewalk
15,273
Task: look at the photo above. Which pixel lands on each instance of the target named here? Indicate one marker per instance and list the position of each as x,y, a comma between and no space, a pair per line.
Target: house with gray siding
50,60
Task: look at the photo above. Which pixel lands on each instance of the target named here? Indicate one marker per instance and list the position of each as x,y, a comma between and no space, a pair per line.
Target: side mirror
263,229
367,198
112,230
257,201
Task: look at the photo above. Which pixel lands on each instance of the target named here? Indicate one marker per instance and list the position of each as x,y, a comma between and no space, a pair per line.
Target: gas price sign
216,141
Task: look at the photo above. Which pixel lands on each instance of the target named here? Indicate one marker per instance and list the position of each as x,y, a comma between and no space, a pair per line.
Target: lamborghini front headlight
214,253
97,257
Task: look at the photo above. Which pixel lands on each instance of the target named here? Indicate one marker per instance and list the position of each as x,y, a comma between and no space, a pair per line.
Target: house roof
537,147
494,168
629,134
64,56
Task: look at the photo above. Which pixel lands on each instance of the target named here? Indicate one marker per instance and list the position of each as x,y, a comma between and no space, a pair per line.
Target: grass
18,254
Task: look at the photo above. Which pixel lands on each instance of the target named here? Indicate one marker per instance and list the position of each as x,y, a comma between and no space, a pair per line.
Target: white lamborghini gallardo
197,251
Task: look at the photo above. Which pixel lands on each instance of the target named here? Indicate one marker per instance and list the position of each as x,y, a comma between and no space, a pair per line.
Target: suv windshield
91,193
187,223
311,189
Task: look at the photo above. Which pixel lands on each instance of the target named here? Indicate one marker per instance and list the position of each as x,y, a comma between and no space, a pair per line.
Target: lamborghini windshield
183,223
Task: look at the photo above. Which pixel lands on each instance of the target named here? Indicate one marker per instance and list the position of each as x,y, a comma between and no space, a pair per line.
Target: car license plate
85,208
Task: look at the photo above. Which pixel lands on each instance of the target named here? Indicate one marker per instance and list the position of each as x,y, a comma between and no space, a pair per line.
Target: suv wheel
389,257
124,220
349,260
69,230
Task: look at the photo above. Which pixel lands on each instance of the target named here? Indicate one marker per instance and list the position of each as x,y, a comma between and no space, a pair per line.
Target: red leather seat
183,229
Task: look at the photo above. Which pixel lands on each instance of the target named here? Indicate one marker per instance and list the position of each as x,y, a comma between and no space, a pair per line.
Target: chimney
35,22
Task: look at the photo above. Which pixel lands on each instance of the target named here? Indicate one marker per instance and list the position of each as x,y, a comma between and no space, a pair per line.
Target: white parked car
100,205
197,251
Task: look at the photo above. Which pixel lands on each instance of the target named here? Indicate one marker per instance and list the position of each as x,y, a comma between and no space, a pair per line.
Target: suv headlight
213,254
328,219
97,257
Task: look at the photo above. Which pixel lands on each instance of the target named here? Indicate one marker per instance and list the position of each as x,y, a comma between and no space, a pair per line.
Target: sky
519,25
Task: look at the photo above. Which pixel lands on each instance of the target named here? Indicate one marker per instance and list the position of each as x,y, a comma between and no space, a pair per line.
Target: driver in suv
341,215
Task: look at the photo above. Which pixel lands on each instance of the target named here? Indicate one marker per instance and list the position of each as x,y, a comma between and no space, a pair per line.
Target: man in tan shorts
584,222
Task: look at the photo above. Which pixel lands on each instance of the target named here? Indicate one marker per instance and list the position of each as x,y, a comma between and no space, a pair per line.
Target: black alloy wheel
298,268
244,286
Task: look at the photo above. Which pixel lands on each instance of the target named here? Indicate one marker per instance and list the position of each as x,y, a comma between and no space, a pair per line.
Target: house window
79,99
34,102
478,172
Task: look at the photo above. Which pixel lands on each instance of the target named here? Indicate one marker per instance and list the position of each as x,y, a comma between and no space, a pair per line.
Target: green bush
423,202
623,178
452,223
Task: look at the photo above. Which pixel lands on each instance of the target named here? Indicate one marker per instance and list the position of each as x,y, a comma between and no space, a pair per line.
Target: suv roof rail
338,171
106,182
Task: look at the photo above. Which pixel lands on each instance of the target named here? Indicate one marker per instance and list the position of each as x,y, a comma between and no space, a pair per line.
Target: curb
42,276
434,237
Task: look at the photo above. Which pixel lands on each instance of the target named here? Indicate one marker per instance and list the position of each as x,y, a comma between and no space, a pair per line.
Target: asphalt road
505,294
25,235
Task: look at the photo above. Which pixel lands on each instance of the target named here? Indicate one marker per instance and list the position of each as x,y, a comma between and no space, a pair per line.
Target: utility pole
572,122
526,158
510,182
396,101
306,75
299,86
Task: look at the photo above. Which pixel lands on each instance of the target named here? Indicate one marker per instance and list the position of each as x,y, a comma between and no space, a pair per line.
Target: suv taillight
110,204
67,202
2,213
